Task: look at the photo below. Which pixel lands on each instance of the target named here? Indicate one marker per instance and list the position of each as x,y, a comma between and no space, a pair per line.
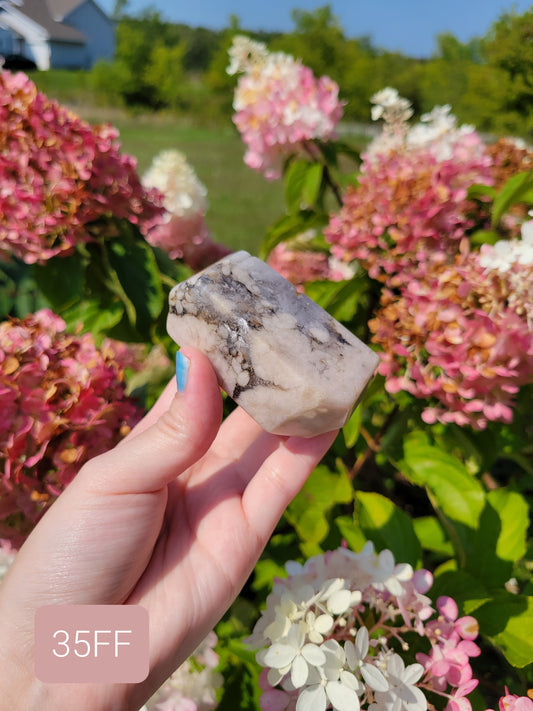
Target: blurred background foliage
163,66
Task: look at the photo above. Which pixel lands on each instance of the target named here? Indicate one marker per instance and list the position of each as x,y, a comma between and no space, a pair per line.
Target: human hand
173,519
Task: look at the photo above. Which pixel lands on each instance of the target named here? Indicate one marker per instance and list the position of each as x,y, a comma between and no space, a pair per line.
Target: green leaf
458,494
465,589
478,190
311,186
351,532
480,237
341,299
135,266
482,560
388,527
500,539
322,491
508,622
352,428
431,535
513,512
94,317
61,280
241,690
290,226
293,184
264,573
519,188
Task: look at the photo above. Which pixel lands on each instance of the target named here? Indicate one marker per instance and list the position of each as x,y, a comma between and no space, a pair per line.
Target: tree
318,40
509,45
119,9
508,50
164,73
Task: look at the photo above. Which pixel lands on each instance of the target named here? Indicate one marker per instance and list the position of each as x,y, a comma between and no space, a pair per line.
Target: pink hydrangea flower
512,702
188,240
280,106
409,208
303,265
453,337
62,402
59,176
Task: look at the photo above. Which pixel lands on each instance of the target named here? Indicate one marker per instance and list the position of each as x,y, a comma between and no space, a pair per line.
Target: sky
408,26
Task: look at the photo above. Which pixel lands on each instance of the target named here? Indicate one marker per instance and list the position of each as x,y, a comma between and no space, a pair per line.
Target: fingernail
182,371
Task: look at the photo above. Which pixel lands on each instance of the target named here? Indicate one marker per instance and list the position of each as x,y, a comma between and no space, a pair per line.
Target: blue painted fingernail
182,371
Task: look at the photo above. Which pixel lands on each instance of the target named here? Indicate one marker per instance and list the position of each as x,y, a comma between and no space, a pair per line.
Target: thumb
174,435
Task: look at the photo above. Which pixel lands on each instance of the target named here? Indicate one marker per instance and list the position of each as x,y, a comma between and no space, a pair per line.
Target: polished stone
279,355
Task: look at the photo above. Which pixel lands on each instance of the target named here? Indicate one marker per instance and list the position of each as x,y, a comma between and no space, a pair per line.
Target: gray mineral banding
279,355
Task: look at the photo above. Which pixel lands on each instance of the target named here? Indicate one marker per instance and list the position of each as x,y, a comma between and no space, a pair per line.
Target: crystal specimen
279,355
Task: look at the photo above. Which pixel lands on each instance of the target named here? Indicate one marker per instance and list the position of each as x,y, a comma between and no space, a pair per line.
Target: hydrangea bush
59,176
62,401
399,579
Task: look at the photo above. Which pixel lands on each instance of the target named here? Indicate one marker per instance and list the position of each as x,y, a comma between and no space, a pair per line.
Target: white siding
39,51
28,38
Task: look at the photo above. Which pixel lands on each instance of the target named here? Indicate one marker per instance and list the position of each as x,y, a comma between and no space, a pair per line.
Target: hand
174,519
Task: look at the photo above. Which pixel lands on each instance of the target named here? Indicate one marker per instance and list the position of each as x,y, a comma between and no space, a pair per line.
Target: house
67,34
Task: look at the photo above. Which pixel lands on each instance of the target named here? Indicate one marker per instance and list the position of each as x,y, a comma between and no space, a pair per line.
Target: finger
176,440
280,478
237,432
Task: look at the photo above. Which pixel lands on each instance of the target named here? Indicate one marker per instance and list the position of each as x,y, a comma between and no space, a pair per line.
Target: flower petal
323,624
412,673
339,602
312,698
374,678
361,642
313,654
278,655
299,672
342,697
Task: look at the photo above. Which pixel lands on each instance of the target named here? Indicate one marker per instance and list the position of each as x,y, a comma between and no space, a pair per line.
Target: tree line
488,81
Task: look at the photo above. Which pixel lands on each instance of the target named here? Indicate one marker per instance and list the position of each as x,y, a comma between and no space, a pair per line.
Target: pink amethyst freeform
279,355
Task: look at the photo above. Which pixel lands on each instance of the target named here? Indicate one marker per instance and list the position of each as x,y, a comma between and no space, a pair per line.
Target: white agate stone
279,355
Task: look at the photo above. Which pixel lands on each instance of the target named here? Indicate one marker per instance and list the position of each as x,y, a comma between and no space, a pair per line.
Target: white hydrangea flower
383,570
316,626
390,106
436,132
191,686
506,253
402,693
338,597
245,53
170,173
330,683
328,658
293,655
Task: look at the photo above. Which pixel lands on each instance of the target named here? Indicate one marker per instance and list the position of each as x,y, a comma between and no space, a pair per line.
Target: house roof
43,13
60,8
